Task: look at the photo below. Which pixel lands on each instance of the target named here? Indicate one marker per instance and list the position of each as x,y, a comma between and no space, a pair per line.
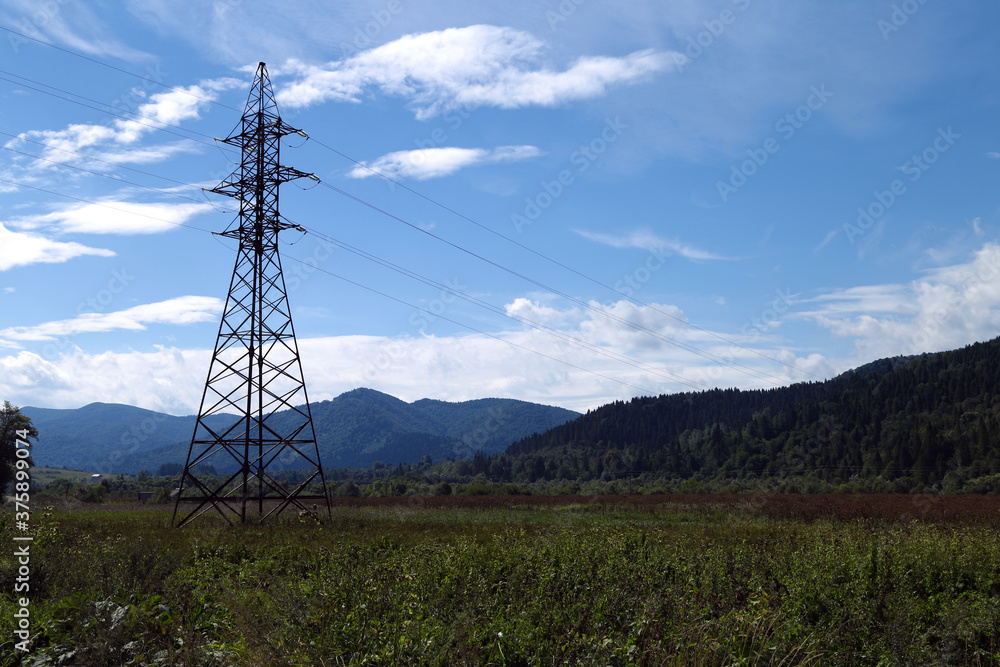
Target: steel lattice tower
255,370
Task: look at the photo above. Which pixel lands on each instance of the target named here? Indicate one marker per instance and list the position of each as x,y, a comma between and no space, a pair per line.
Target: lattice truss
255,372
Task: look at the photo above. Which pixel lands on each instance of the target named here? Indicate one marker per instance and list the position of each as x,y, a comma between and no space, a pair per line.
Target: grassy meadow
44,476
587,583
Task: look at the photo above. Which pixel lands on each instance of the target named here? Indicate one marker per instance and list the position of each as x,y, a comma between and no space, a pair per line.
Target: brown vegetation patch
899,507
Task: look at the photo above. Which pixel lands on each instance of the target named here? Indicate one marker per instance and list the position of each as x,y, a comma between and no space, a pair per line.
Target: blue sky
603,200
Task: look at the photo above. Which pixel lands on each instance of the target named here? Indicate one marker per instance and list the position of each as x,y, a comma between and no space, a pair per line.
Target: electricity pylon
255,373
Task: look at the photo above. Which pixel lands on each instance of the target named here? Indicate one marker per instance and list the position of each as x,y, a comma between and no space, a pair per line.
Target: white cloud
25,248
479,65
523,308
862,299
526,363
532,365
947,308
162,109
115,217
63,23
165,379
181,310
436,162
645,239
667,323
143,155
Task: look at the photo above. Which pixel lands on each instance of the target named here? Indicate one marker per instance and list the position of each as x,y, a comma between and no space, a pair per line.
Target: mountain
910,420
355,429
383,426
99,436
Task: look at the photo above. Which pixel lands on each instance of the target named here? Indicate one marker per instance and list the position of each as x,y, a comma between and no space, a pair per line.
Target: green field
582,584
43,476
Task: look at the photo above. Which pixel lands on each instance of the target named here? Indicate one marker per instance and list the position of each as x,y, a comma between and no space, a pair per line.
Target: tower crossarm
245,190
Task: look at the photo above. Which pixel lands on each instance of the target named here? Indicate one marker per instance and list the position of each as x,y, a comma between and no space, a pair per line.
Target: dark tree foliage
913,419
13,426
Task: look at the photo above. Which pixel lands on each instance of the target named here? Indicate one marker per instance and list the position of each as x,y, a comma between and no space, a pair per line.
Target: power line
622,358
110,113
108,176
95,159
440,205
497,310
583,304
364,166
117,69
380,293
638,327
686,346
411,274
473,329
94,203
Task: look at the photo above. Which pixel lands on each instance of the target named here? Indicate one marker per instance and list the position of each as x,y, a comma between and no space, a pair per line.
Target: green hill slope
909,421
355,429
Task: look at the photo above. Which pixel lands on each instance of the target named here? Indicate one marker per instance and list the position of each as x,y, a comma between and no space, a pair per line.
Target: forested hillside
355,429
912,422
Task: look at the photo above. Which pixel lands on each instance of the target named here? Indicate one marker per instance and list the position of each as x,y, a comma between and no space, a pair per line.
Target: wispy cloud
436,162
142,155
867,299
946,308
64,23
646,239
110,216
479,65
118,139
181,310
25,248
832,234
